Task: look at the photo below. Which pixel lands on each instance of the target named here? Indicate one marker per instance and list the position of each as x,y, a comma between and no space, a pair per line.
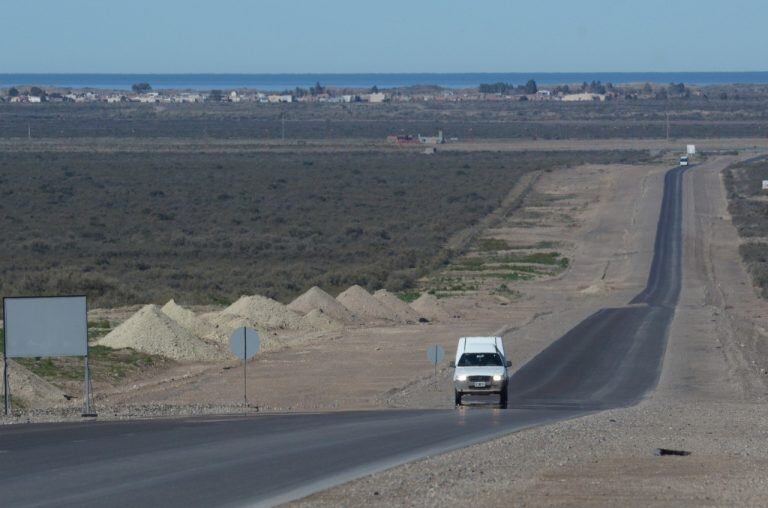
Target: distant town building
279,98
583,97
376,97
432,140
402,139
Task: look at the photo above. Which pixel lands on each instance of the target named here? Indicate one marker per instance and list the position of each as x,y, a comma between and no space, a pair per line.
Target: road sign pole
6,389
435,363
6,394
238,345
245,366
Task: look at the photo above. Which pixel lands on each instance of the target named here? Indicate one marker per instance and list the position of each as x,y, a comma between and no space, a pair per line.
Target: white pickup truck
480,368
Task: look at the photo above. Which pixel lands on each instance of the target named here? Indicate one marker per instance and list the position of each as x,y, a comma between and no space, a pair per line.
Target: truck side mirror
508,364
452,365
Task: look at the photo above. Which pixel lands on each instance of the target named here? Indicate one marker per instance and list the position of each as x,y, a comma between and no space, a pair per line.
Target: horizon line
374,73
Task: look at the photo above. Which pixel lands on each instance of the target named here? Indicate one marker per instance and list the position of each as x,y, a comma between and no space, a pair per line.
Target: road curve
611,359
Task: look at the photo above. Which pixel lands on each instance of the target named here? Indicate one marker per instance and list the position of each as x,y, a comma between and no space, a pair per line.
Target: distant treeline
672,90
508,88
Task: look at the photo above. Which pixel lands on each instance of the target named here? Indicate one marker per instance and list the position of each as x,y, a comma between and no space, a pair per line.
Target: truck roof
479,345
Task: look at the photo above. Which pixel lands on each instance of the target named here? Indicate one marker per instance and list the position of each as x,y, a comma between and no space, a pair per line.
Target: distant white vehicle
684,161
480,369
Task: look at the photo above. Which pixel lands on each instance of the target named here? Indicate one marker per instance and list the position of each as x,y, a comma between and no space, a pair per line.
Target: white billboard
765,184
691,150
45,326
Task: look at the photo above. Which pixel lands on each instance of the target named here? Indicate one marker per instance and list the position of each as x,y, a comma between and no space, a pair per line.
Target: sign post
435,355
244,343
765,185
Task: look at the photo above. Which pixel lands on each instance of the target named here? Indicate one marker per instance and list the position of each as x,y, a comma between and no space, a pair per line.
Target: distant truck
684,160
480,369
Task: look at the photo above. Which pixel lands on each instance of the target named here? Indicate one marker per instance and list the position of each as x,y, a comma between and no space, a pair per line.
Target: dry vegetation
748,205
202,228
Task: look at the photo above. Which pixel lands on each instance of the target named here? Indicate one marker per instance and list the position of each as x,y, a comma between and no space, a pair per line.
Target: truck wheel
457,398
503,398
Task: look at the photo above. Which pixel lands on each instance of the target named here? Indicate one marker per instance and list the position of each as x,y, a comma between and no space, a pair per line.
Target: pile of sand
317,299
31,389
263,312
365,306
195,325
316,319
404,312
430,307
152,331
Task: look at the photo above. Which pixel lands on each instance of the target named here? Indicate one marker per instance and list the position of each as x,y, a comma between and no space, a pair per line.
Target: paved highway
611,359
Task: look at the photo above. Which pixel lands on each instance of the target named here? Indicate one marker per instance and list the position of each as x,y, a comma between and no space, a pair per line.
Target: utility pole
282,118
667,125
29,130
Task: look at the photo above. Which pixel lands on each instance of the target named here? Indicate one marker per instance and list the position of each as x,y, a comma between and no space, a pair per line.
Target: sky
345,36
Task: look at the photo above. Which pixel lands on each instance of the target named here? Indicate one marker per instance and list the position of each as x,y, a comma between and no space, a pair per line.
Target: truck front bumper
479,387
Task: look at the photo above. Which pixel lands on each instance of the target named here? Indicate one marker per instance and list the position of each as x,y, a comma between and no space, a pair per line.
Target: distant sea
271,82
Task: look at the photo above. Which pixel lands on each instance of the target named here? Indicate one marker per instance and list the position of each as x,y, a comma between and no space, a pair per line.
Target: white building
376,98
583,97
432,140
280,98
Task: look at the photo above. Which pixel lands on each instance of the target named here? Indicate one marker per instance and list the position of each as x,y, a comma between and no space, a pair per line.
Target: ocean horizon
276,82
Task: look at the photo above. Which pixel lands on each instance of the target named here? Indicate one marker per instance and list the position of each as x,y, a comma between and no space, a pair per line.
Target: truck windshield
480,360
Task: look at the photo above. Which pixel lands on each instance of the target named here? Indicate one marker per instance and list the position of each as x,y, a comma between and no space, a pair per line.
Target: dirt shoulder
710,402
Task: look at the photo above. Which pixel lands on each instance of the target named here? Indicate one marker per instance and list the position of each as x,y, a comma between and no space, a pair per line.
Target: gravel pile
316,298
31,389
318,320
195,325
404,312
263,312
365,306
430,307
152,331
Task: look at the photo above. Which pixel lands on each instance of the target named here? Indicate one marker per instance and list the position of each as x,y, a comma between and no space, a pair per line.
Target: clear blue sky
330,36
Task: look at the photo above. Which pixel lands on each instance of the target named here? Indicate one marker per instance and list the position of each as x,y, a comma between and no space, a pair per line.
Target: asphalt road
611,359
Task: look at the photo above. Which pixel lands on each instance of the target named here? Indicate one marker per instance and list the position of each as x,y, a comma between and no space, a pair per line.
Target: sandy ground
710,401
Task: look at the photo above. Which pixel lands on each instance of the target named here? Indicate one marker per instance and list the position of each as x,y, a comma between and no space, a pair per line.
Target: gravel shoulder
710,401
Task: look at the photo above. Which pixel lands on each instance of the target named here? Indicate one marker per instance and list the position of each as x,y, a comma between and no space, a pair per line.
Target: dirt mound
31,389
152,331
316,298
405,313
195,325
430,307
361,303
264,312
318,320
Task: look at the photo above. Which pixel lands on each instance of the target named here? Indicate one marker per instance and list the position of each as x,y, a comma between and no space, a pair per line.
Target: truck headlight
461,377
497,377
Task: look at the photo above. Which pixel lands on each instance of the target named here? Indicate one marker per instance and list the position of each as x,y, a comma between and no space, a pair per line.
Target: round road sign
244,342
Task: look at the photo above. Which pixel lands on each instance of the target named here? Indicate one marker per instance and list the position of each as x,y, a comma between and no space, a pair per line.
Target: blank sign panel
46,326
